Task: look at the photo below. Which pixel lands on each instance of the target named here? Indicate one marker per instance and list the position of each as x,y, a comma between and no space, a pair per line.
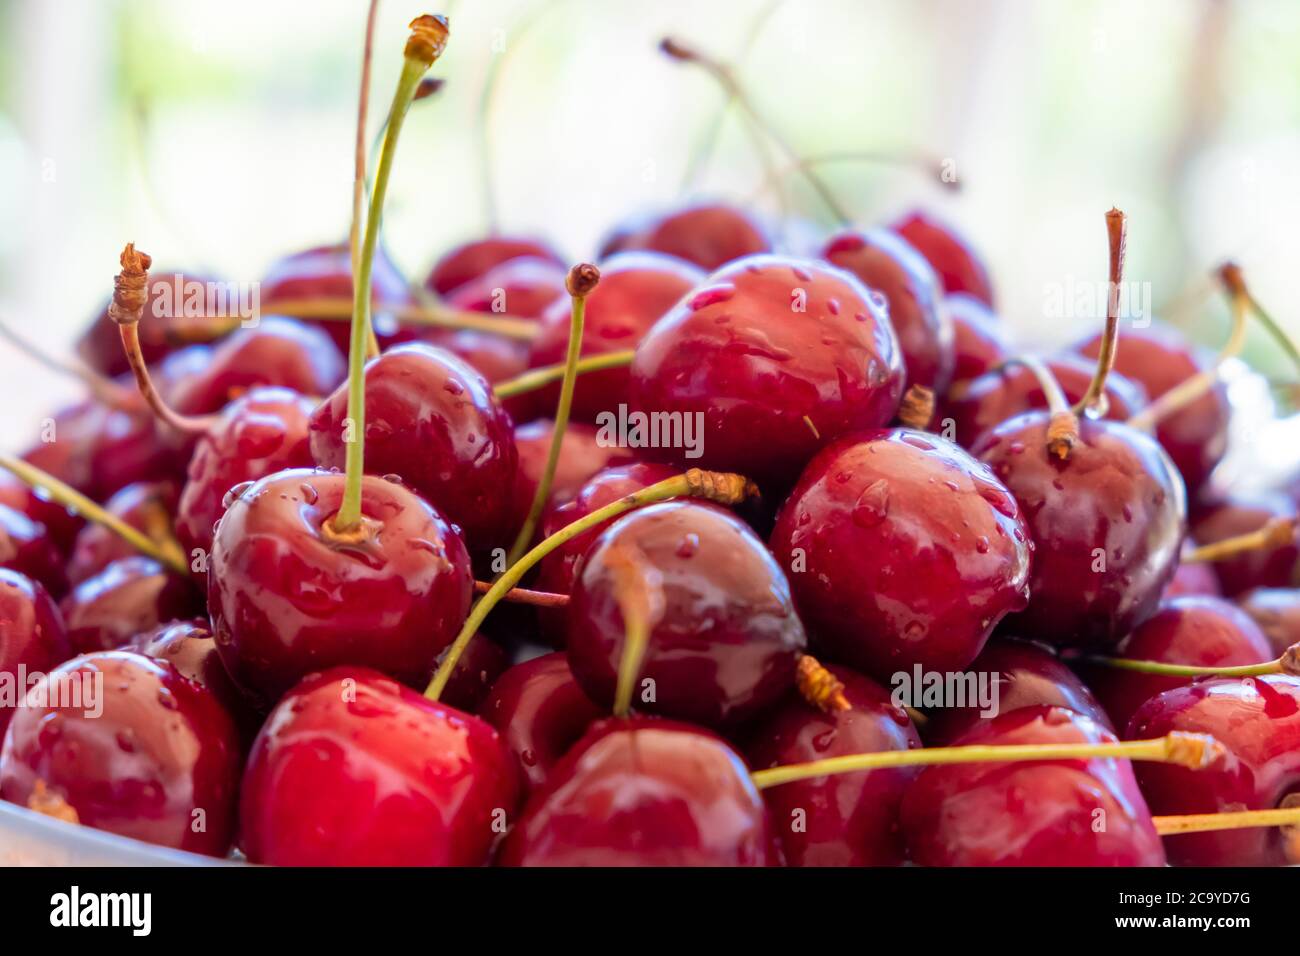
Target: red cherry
888,264
476,672
523,288
495,357
1107,525
709,235
467,262
725,641
1277,612
540,712
776,357
948,253
62,524
1193,578
286,599
582,455
644,793
1258,720
433,421
902,550
846,819
26,547
130,596
145,506
1041,813
154,757
32,637
980,341
1238,515
353,769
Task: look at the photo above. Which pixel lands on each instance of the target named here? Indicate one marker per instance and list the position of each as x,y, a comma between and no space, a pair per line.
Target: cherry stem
359,176
525,596
426,313
544,375
1288,663
916,409
1276,533
1063,423
167,553
1232,820
1116,230
101,387
638,590
818,686
1193,751
427,41
581,283
720,487
934,166
1271,327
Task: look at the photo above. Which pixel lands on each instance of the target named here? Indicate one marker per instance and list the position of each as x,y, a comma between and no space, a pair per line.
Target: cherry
644,793
433,421
288,595
1194,630
61,523
524,288
844,819
1258,721
980,341
1238,514
1043,813
1107,524
710,235
145,506
902,550
26,547
1277,612
635,291
718,635
540,712
32,638
469,261
776,357
129,596
475,675
889,265
495,357
1193,578
582,455
958,268
153,757
353,769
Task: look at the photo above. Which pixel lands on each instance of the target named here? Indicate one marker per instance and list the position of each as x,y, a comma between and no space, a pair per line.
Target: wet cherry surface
706,234
958,267
62,525
26,547
32,637
1261,567
470,260
145,506
129,596
980,341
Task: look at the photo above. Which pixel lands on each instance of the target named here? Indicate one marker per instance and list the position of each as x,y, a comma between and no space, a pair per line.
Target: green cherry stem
638,590
544,375
1288,663
1116,234
359,159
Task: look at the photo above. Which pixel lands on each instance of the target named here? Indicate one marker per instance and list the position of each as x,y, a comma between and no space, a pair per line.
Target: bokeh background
218,135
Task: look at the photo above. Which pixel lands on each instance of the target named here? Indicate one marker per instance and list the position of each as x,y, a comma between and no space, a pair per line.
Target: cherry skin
26,547
523,288
286,600
62,525
145,506
1194,630
726,642
1277,612
259,433
1258,720
129,596
1038,813
1259,568
980,341
902,550
776,357
540,712
1028,675
468,261
644,793
582,455
32,637
1194,578
635,291
846,819
155,757
434,422
477,670
886,263
354,769
1158,358
958,267
495,357
708,234
1107,525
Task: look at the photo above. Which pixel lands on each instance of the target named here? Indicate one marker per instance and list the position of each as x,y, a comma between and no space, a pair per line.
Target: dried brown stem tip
130,286
1193,751
819,686
428,38
1062,433
677,50
721,487
429,86
47,802
582,279
1232,279
917,407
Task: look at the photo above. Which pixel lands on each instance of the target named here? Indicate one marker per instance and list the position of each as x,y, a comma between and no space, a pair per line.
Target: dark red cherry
1028,675
1037,813
468,261
1193,578
1158,358
725,641
26,547
286,599
259,433
129,596
980,340
1258,720
434,422
495,357
522,288
1241,514
848,819
62,525
582,455
354,769
1194,630
709,234
145,506
1107,526
132,747
960,270
983,403
476,672
635,291
889,265
1277,612
540,712
644,793
774,357
901,549
32,638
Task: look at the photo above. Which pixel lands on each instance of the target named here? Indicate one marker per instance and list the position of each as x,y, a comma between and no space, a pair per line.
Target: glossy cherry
1277,612
26,547
582,455
146,506
775,357
470,260
523,288
476,672
32,637
960,270
1193,578
62,524
129,596
902,549
154,757
354,769
1240,514
980,340
707,234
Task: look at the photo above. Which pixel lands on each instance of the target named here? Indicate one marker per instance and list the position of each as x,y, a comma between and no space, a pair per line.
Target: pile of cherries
297,661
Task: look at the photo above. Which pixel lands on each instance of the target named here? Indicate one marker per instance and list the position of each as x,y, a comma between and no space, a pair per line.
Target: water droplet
309,494
833,305
982,545
688,546
393,479
711,296
453,387
235,493
872,506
